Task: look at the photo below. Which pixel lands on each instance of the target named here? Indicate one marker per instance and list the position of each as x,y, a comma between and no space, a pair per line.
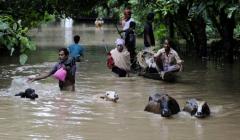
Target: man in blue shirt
76,50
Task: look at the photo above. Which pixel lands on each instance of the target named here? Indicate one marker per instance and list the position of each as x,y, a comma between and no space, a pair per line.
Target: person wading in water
68,64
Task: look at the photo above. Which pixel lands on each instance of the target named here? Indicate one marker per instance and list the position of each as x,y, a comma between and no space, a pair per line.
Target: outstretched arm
43,76
39,77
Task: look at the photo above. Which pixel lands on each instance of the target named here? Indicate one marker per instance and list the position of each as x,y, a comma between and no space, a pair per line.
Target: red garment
110,61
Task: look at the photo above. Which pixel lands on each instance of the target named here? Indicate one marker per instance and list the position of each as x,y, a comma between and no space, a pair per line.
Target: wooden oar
118,30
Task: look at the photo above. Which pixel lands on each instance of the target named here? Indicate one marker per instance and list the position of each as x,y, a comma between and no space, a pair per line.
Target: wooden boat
148,67
168,76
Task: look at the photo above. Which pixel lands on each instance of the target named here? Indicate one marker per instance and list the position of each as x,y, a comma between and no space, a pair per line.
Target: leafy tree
14,37
190,18
222,14
18,16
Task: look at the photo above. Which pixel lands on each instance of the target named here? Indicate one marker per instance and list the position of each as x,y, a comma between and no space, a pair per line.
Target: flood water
82,115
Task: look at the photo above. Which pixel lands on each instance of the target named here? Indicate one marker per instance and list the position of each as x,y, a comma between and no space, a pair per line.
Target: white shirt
126,24
121,59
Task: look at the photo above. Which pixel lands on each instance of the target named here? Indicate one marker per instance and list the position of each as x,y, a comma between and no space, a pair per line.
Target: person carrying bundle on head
120,58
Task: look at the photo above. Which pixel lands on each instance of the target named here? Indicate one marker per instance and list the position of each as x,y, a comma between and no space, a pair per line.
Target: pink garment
60,74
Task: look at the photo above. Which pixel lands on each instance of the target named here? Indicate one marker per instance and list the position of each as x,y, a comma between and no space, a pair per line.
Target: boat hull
168,76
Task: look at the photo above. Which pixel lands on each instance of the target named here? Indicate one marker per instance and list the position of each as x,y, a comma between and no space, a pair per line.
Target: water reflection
60,35
199,130
67,24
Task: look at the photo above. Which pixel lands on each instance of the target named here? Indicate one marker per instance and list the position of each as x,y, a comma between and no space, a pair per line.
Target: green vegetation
194,21
18,16
14,37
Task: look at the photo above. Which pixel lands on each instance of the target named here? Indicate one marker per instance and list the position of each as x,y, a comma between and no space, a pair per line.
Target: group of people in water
123,57
120,59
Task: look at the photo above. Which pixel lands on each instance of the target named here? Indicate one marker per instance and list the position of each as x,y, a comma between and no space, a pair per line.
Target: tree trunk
186,34
182,25
198,27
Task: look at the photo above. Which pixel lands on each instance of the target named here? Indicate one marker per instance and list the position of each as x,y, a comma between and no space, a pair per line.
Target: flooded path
82,115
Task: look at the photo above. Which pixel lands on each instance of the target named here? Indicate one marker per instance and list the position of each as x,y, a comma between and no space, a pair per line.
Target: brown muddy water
82,115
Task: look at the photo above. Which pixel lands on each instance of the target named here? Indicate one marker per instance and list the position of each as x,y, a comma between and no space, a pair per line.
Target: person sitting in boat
167,59
121,59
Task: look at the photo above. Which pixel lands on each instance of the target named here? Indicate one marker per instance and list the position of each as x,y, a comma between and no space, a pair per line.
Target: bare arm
179,61
39,77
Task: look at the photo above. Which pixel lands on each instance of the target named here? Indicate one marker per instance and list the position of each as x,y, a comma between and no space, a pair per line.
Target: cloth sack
60,74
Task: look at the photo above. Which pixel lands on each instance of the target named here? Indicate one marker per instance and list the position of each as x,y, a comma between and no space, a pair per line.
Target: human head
167,44
132,25
150,16
120,44
127,13
76,38
63,53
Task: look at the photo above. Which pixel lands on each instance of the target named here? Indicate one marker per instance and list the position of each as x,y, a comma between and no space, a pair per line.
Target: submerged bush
14,37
